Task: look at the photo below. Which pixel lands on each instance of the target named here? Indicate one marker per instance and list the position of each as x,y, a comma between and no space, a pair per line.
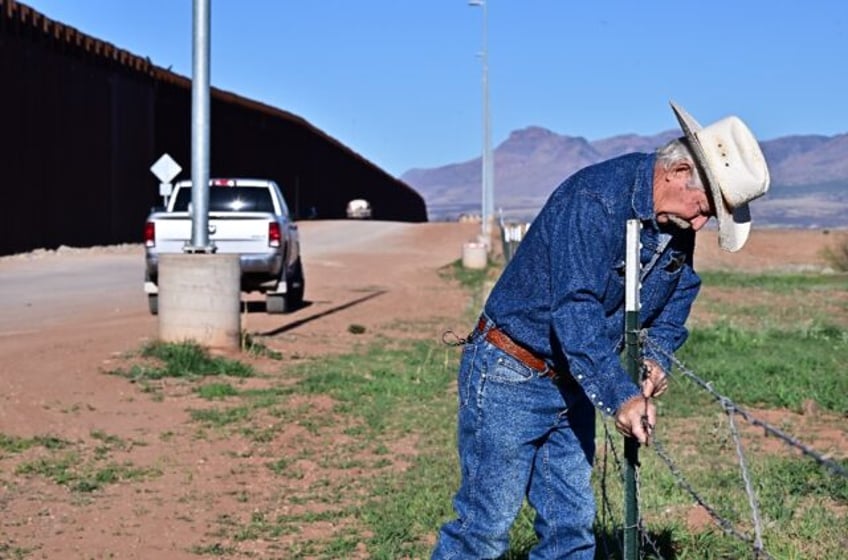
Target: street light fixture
487,160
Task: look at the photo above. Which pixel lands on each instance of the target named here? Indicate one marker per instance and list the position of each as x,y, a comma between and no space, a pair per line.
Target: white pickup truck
246,216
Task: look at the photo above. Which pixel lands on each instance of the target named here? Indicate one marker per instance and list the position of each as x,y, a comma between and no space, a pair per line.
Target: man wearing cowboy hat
545,353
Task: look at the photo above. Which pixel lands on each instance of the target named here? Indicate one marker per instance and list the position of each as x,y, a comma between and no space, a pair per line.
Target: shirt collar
643,191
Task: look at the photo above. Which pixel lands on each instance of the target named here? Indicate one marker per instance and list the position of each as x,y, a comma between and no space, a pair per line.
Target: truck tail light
274,235
149,234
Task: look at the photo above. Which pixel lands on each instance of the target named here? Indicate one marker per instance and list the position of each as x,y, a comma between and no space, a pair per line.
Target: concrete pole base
474,255
199,300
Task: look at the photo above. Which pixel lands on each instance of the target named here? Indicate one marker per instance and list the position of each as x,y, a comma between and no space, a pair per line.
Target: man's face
676,203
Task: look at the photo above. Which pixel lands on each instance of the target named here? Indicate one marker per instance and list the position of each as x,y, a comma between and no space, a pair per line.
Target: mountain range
809,176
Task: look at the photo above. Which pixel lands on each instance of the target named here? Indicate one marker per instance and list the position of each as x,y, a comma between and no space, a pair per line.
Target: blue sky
400,81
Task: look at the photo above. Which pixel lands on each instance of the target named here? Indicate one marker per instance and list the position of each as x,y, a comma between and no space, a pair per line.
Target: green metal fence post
631,337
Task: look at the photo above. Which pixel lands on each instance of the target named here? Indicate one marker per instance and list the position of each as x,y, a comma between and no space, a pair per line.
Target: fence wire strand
732,410
746,477
732,407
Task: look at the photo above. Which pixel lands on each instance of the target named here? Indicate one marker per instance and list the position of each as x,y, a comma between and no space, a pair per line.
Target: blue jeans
520,435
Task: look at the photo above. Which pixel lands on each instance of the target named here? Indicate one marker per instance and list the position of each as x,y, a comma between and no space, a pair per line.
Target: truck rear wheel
295,284
293,298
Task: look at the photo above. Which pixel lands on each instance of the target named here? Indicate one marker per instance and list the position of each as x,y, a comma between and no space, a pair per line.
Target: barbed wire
725,524
731,409
746,477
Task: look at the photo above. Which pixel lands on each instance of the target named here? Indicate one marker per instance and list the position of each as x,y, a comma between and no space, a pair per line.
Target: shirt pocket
614,292
672,265
660,283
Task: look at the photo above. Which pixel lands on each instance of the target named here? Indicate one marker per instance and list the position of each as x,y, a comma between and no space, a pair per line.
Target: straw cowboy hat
733,166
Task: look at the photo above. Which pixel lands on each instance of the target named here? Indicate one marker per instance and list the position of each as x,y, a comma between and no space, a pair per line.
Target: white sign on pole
165,170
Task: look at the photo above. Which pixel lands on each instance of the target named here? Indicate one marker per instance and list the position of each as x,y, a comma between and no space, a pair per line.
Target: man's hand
655,382
636,418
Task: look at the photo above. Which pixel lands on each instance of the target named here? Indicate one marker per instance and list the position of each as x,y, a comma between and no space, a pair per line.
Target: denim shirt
562,293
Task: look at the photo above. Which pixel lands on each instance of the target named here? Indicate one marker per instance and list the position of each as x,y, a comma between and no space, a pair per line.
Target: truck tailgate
234,233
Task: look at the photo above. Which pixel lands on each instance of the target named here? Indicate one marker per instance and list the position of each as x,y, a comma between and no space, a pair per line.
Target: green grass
82,468
187,360
772,301
404,507
218,417
216,549
12,552
216,391
13,445
470,278
253,346
777,283
382,385
767,368
81,475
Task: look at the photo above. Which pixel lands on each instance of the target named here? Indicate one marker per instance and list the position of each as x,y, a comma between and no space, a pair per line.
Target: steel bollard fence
511,235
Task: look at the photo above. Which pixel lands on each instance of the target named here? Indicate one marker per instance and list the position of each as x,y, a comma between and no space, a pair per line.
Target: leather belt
500,339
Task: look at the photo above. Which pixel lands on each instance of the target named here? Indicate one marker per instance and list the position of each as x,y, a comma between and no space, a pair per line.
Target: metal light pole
487,168
200,128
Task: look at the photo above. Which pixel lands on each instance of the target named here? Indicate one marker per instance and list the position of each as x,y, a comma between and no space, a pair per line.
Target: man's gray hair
677,151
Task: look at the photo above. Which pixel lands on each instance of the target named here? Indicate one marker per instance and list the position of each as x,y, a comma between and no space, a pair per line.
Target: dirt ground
53,383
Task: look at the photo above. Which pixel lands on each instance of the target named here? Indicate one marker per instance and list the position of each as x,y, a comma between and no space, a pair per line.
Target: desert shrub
837,254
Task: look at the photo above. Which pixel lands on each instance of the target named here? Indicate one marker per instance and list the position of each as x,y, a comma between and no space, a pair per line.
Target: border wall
82,121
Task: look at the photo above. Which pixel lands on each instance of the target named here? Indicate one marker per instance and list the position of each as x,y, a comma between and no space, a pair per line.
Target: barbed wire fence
612,464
